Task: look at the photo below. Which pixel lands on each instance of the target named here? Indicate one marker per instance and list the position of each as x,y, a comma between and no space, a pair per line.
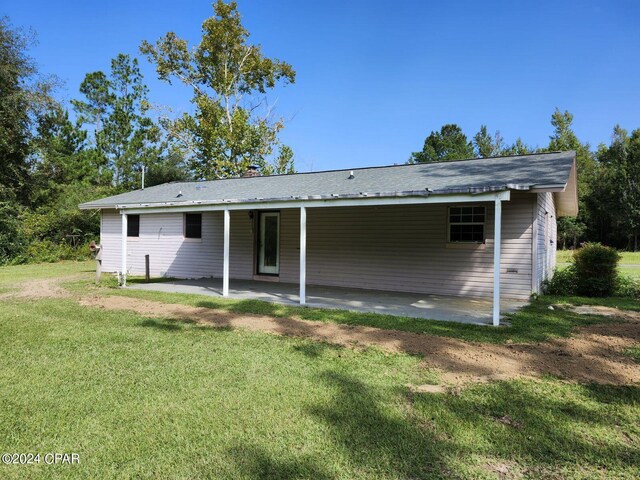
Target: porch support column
497,233
225,264
303,255
123,260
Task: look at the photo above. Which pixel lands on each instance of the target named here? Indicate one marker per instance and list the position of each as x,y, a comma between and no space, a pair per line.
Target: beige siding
398,248
161,237
546,241
405,249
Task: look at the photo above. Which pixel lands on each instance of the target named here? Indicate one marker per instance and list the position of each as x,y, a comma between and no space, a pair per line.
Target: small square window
133,225
466,224
193,225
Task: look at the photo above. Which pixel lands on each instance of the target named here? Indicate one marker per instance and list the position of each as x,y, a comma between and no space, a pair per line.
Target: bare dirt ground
592,354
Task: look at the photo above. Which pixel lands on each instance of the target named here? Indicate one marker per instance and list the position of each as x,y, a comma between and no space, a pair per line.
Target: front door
269,243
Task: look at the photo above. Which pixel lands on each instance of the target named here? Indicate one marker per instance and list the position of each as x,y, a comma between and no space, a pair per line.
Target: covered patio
478,311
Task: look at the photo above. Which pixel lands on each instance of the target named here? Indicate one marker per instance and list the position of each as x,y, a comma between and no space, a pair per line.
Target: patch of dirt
593,354
42,288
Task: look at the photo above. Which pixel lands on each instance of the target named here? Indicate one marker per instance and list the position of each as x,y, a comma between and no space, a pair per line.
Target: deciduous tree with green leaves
232,126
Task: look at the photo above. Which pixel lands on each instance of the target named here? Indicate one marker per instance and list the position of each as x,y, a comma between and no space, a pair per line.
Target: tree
621,160
23,96
519,147
563,139
232,126
450,143
486,145
117,105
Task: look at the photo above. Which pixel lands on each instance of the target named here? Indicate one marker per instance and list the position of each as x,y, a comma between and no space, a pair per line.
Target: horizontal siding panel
395,248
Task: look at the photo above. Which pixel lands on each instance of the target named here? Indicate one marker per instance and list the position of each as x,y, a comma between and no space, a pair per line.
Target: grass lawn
146,398
11,275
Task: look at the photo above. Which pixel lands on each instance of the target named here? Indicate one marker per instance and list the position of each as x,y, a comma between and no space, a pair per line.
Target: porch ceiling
435,307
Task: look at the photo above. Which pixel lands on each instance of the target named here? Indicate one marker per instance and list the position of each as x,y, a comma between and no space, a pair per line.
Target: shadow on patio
436,307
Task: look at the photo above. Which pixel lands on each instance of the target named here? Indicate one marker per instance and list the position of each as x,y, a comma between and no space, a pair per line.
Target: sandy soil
592,354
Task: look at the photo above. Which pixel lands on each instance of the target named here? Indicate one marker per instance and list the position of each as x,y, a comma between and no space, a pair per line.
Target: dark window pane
193,225
270,241
133,225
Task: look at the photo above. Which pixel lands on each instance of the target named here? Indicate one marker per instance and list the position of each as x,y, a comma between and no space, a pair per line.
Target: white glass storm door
269,243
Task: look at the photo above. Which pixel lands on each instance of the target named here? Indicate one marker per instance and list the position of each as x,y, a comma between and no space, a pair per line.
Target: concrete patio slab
436,307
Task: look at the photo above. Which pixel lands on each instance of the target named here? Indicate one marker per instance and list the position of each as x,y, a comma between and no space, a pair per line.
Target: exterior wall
162,238
546,238
396,248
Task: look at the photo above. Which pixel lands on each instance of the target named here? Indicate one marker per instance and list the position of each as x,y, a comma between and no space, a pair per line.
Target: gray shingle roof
477,175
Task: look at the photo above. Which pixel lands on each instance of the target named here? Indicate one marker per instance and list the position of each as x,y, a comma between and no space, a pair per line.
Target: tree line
55,155
608,177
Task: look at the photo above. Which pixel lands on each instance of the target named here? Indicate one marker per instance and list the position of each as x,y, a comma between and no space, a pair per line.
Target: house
476,228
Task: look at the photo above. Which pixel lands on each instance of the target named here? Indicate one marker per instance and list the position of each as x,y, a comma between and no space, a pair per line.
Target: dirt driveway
592,354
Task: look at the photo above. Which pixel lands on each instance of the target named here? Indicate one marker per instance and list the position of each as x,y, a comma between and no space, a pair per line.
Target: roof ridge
386,166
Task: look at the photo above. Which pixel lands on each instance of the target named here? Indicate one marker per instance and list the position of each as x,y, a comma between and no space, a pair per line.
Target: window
466,224
133,225
193,225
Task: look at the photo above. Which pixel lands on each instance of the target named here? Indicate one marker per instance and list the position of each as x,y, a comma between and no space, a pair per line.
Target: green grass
11,275
534,323
629,263
146,398
564,256
633,352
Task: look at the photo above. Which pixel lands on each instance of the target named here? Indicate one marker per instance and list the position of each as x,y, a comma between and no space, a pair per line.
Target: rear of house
425,228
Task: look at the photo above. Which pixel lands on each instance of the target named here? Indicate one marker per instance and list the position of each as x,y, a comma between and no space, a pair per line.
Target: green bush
46,251
563,282
596,268
627,286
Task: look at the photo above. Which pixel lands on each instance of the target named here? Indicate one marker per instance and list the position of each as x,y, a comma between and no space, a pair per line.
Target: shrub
627,286
596,269
563,282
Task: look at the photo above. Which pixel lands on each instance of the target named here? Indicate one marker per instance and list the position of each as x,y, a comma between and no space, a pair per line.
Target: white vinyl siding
395,248
546,237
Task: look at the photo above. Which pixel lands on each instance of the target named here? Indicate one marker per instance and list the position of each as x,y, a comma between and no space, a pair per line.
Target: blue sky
374,78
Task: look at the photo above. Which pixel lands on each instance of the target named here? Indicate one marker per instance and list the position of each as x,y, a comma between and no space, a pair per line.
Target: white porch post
303,255
225,265
497,233
123,260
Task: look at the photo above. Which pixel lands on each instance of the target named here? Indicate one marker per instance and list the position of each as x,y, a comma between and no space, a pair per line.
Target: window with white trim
466,224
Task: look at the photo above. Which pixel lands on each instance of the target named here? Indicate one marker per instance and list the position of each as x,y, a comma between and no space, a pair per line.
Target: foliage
450,143
229,78
620,182
125,137
563,282
596,269
570,229
487,146
23,95
627,286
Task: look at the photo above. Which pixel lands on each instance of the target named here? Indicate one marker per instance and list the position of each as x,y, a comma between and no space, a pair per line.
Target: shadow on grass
541,427
533,323
256,462
169,326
